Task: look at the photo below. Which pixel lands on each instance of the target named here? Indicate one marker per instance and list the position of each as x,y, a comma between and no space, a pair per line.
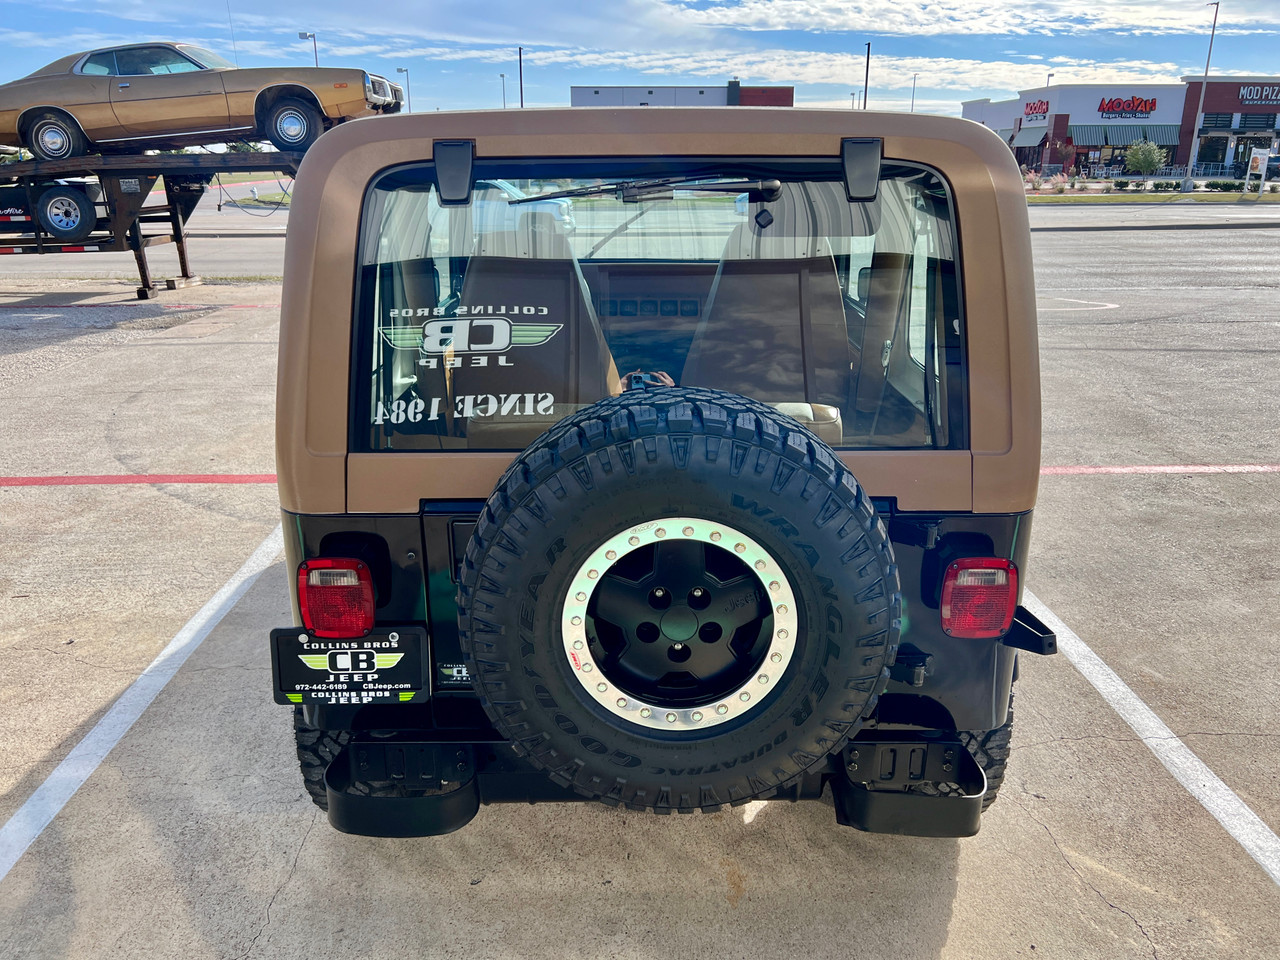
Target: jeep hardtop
694,469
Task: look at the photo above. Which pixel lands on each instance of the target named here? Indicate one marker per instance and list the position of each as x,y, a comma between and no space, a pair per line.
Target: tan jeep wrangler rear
671,458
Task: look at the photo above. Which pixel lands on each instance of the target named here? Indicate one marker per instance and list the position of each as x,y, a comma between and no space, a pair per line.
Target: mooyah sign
1036,110
1114,108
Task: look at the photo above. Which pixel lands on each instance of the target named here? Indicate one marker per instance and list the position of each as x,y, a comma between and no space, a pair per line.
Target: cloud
969,17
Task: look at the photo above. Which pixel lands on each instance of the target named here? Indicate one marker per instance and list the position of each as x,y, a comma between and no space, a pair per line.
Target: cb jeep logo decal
472,335
484,335
350,661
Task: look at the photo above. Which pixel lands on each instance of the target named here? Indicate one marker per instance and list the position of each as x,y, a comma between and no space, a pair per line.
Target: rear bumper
409,787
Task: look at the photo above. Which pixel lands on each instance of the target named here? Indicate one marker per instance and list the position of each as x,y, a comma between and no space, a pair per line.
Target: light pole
855,97
408,93
1046,81
913,92
1189,184
315,51
866,80
504,90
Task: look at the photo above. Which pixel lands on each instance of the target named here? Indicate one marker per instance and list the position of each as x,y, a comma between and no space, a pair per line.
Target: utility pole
866,80
521,54
408,91
1189,184
913,92
504,90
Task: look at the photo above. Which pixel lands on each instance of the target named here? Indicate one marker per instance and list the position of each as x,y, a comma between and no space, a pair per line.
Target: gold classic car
148,95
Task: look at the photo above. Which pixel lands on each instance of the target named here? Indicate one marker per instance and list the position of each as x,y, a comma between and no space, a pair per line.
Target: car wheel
67,214
293,125
677,599
55,136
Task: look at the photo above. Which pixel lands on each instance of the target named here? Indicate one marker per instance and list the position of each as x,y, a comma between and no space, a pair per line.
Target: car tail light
979,596
335,597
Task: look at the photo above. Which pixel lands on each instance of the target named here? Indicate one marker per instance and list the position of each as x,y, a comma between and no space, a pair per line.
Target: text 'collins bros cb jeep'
723,495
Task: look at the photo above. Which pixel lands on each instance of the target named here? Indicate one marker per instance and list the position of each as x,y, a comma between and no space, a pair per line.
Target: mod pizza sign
1253,94
1126,108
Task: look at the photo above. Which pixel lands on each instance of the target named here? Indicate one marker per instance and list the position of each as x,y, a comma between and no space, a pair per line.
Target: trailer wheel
55,136
293,124
67,214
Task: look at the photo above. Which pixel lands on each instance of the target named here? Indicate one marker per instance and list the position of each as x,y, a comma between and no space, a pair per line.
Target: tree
1144,157
16,157
244,146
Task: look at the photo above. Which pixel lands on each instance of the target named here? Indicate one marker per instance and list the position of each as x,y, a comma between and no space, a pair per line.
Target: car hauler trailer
94,204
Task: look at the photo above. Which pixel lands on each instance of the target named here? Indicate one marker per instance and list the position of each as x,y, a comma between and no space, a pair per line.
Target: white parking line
1202,783
51,796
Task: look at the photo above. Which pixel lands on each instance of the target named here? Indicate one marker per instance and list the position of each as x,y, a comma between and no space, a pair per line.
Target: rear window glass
479,326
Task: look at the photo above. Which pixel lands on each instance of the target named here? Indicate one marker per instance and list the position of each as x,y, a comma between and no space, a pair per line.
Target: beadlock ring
773,582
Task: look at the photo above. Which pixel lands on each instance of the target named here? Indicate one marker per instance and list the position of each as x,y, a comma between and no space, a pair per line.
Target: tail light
335,597
979,596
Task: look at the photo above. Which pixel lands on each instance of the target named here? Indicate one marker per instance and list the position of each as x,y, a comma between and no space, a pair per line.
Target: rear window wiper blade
660,188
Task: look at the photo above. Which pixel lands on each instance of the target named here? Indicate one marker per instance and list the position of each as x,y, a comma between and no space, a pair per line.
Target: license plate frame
388,666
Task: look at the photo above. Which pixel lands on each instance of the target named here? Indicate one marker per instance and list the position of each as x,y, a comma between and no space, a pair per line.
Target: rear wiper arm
630,191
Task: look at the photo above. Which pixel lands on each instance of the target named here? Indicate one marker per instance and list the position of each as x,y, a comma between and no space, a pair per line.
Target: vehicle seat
774,329
528,348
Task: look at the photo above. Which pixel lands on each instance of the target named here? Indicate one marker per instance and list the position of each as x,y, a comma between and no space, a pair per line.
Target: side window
143,61
100,65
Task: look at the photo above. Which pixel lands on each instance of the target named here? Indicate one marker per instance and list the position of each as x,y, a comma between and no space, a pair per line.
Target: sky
456,50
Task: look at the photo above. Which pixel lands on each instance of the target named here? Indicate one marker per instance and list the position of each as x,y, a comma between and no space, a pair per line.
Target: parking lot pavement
194,837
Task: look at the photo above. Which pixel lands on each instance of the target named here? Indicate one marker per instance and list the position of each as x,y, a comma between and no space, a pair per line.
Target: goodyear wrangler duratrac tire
676,599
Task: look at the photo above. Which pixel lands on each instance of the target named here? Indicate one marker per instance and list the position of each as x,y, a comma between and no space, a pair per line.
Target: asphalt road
194,837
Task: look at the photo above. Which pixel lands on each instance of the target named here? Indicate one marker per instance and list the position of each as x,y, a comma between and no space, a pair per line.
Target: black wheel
293,124
66,213
55,136
676,599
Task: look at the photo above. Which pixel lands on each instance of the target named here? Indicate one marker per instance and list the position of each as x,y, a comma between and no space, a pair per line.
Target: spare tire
676,599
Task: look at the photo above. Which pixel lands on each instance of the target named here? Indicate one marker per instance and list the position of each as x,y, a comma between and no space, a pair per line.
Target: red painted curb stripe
1154,468
144,478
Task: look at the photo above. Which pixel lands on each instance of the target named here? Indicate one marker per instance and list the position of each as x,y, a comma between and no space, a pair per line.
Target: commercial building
1053,128
732,94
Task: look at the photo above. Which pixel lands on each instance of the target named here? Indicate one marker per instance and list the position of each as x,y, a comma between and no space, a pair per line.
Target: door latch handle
123,85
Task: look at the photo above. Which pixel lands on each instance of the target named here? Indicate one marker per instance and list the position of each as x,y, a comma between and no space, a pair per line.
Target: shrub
1080,184
1218,185
1122,184
1164,186
1107,188
1273,188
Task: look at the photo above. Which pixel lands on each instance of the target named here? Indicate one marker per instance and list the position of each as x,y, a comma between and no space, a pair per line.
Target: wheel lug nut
577,644
586,668
722,709
715,536
760,564
634,541
775,586
763,678
776,658
696,716
739,548
622,701
611,555
580,596
744,696
782,634
602,687
593,574
646,712
782,608
687,531
576,621
660,532
671,718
